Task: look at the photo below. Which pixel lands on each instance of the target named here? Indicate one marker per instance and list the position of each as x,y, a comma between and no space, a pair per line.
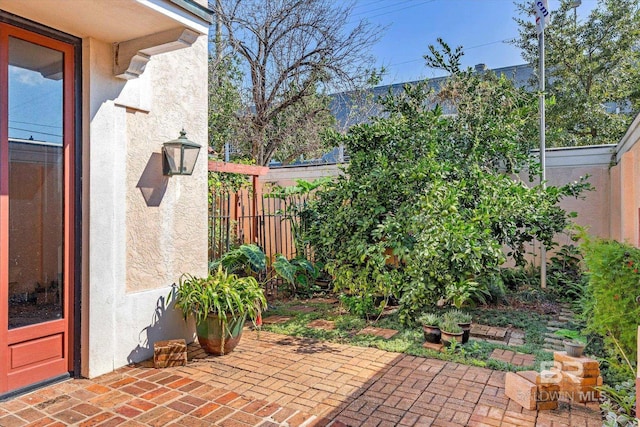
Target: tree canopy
593,77
291,53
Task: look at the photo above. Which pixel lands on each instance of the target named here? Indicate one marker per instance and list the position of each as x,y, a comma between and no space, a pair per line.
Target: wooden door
36,207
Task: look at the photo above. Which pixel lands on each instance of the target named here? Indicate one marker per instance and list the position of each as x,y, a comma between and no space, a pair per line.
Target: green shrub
619,404
612,308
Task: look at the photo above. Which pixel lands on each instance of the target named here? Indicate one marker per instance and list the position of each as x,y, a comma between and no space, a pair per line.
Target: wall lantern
179,156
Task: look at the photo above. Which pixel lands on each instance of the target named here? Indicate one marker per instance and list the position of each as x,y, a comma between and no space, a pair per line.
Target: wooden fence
251,216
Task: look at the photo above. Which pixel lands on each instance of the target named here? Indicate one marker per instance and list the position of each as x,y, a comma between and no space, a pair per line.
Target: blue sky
480,26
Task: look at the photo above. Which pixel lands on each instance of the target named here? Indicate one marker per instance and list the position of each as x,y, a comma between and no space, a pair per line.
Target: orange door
36,188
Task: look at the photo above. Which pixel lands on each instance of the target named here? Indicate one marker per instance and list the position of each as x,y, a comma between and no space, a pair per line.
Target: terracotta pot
449,337
573,348
431,334
210,335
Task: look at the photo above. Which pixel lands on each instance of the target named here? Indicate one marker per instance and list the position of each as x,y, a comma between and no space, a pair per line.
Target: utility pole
542,18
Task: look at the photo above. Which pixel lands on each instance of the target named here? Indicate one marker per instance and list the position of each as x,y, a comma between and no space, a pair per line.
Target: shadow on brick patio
272,380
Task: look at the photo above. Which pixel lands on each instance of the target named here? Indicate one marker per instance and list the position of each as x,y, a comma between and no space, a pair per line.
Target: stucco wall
625,191
142,230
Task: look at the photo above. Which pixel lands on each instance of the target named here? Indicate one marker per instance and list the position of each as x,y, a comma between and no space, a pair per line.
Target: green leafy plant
246,259
221,293
619,404
299,273
457,316
429,319
571,335
451,326
363,306
428,202
612,310
296,210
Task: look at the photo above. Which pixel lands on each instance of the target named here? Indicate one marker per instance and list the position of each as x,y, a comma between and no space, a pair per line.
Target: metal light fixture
179,156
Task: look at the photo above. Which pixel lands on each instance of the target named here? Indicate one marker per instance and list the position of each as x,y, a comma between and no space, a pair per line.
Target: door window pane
36,192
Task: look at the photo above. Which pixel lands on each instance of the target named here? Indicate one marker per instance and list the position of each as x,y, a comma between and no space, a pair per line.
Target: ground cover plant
409,340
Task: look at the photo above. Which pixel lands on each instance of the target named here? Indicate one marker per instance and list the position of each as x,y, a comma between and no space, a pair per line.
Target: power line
464,49
35,124
35,131
367,4
354,19
383,7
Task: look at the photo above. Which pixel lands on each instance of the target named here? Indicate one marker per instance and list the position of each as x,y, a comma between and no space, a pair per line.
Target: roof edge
196,9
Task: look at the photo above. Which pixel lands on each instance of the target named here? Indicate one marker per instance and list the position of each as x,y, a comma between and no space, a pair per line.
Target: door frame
73,204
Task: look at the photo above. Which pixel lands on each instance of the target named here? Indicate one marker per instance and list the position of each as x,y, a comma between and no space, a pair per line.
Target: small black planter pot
466,331
431,334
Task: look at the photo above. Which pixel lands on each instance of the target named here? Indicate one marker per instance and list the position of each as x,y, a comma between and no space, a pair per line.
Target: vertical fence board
247,216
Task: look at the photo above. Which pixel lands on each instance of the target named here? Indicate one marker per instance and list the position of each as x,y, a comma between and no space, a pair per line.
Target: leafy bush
245,259
363,306
565,278
613,307
299,273
428,202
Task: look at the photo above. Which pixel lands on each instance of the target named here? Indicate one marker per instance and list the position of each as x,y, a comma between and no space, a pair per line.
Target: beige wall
625,191
564,165
165,237
142,229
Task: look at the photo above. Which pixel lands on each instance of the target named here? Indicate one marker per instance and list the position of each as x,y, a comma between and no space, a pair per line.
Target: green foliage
220,293
571,335
619,404
247,259
299,273
591,68
565,278
225,100
363,306
451,326
614,309
429,319
458,316
297,210
428,202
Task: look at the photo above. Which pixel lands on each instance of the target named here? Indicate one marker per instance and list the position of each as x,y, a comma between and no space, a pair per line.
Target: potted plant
463,319
450,331
574,342
220,303
431,327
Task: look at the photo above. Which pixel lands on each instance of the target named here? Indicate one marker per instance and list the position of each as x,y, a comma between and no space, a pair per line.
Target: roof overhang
136,28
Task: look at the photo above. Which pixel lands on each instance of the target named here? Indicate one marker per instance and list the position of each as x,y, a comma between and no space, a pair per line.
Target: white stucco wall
141,230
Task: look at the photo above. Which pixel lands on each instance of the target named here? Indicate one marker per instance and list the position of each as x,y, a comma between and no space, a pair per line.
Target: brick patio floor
279,380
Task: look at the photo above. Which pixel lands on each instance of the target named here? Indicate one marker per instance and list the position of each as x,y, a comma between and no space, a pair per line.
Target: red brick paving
378,332
282,381
517,359
327,325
